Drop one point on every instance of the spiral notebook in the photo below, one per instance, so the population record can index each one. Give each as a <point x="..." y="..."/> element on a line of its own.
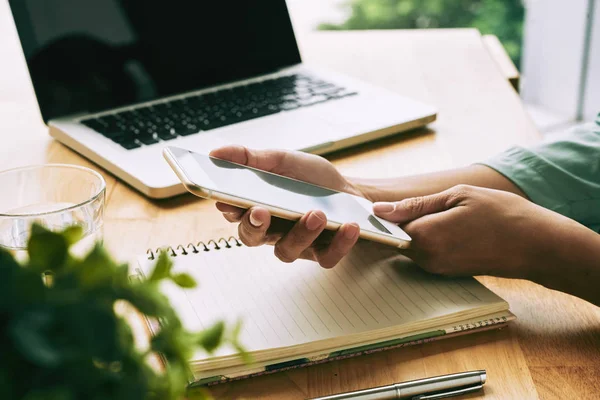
<point x="300" y="314"/>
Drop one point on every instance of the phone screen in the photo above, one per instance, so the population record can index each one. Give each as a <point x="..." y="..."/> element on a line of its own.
<point x="278" y="191"/>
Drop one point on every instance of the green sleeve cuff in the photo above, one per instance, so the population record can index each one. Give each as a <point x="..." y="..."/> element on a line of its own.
<point x="562" y="174"/>
<point x="526" y="170"/>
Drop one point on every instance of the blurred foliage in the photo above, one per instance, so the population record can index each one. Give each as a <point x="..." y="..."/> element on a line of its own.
<point x="61" y="338"/>
<point x="503" y="18"/>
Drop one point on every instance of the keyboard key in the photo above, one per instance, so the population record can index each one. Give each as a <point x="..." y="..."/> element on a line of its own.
<point x="122" y="139"/>
<point x="94" y="124"/>
<point x="109" y="120"/>
<point x="326" y="89"/>
<point x="133" y="131"/>
<point x="188" y="130"/>
<point x="343" y="93"/>
<point x="313" y="100"/>
<point x="131" y="145"/>
<point x="207" y="124"/>
<point x="127" y="142"/>
<point x="166" y="135"/>
<point x="147" y="139"/>
<point x="112" y="134"/>
<point x="289" y="106"/>
<point x="262" y="112"/>
<point x="288" y="97"/>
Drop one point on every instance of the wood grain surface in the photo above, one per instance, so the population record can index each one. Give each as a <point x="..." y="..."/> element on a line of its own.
<point x="552" y="351"/>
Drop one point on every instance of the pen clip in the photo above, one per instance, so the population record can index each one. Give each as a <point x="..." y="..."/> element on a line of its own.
<point x="452" y="393"/>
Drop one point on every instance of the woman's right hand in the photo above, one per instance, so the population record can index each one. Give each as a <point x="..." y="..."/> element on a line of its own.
<point x="292" y="240"/>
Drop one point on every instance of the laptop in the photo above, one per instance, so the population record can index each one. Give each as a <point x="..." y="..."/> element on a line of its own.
<point x="119" y="80"/>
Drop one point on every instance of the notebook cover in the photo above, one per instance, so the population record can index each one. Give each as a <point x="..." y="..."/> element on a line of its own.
<point x="458" y="330"/>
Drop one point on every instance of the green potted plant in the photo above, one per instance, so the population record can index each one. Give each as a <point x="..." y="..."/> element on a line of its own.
<point x="62" y="337"/>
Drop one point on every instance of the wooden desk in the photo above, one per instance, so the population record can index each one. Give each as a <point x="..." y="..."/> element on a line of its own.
<point x="553" y="350"/>
<point x="503" y="61"/>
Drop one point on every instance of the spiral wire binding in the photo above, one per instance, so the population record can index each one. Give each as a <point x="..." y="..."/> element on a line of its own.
<point x="192" y="248"/>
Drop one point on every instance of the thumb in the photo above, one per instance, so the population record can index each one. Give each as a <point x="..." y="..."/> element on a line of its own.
<point x="234" y="153"/>
<point x="416" y="207"/>
<point x="267" y="160"/>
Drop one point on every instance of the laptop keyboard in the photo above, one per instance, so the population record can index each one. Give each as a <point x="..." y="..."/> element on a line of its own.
<point x="190" y="115"/>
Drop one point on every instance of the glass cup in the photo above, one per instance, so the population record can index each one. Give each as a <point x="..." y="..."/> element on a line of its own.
<point x="55" y="196"/>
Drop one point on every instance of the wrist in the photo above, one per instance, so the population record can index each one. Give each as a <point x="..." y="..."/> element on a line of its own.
<point x="569" y="260"/>
<point x="545" y="252"/>
<point x="395" y="189"/>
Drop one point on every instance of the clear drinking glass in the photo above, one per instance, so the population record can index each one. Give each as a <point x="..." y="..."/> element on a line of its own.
<point x="55" y="196"/>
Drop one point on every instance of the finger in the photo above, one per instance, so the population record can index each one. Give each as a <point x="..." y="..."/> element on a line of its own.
<point x="231" y="213"/>
<point x="253" y="227"/>
<point x="228" y="208"/>
<point x="435" y="240"/>
<point x="433" y="227"/>
<point x="419" y="230"/>
<point x="340" y="246"/>
<point x="267" y="160"/>
<point x="232" y="217"/>
<point x="301" y="236"/>
<point x="417" y="207"/>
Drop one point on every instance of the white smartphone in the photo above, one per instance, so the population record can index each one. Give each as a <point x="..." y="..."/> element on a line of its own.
<point x="242" y="186"/>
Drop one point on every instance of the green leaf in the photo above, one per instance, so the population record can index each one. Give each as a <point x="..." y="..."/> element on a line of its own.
<point x="162" y="269"/>
<point x="184" y="280"/>
<point x="234" y="339"/>
<point x="48" y="250"/>
<point x="9" y="272"/>
<point x="95" y="325"/>
<point x="245" y="356"/>
<point x="26" y="287"/>
<point x="60" y="393"/>
<point x="6" y="380"/>
<point x="30" y="334"/>
<point x="237" y="329"/>
<point x="7" y="261"/>
<point x="97" y="268"/>
<point x="173" y="343"/>
<point x="73" y="234"/>
<point x="125" y="334"/>
<point x="211" y="338"/>
<point x="148" y="300"/>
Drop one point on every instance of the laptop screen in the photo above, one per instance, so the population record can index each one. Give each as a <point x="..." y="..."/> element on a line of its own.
<point x="90" y="56"/>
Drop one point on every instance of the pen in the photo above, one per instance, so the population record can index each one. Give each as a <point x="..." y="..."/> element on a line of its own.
<point x="437" y="387"/>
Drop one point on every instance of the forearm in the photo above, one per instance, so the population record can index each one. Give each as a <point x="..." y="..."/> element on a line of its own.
<point x="571" y="263"/>
<point x="395" y="189"/>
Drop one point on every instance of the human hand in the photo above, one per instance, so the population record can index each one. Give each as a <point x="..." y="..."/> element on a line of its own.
<point x="468" y="230"/>
<point x="292" y="240"/>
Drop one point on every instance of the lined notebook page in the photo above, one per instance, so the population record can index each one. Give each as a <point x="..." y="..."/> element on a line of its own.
<point x="287" y="304"/>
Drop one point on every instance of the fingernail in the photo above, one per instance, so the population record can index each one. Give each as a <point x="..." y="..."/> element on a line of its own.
<point x="384" y="208"/>
<point x="254" y="221"/>
<point x="314" y="221"/>
<point x="351" y="233"/>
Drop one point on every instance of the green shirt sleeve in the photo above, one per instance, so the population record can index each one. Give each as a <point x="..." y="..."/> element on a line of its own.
<point x="562" y="175"/>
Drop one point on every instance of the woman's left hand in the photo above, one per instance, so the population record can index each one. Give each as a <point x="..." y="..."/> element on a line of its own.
<point x="469" y="230"/>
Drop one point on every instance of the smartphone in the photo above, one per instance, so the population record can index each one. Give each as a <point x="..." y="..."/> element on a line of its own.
<point x="242" y="186"/>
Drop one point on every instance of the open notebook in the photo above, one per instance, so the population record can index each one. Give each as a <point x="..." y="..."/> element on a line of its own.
<point x="299" y="314"/>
